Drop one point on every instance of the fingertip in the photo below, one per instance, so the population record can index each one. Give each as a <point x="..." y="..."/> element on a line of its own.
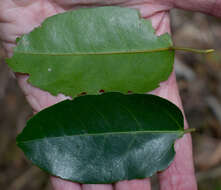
<point x="97" y="187"/>
<point x="60" y="184"/>
<point x="180" y="174"/>
<point x="143" y="184"/>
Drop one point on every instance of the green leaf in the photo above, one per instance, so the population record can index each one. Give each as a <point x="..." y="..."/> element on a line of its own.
<point x="104" y="138"/>
<point x="86" y="50"/>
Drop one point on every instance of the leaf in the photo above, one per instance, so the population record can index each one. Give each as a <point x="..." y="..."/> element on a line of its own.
<point x="104" y="138"/>
<point x="86" y="50"/>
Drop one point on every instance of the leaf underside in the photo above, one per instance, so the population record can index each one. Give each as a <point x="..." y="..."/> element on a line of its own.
<point x="104" y="138"/>
<point x="86" y="50"/>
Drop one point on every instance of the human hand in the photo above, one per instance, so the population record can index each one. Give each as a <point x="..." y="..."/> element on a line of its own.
<point x="21" y="16"/>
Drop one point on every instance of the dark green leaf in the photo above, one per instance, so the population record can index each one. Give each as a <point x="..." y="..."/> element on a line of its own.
<point x="86" y="50"/>
<point x="104" y="138"/>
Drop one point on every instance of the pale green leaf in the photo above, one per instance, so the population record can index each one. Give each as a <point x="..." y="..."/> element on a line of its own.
<point x="86" y="50"/>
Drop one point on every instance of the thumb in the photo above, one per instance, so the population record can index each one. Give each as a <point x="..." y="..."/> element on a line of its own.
<point x="212" y="7"/>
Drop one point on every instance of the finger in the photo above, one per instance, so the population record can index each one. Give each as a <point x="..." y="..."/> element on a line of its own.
<point x="97" y="187"/>
<point x="212" y="7"/>
<point x="60" y="184"/>
<point x="180" y="174"/>
<point x="17" y="19"/>
<point x="143" y="184"/>
<point x="23" y="3"/>
<point x="7" y="48"/>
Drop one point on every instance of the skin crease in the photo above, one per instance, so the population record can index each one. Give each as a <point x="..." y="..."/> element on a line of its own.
<point x="21" y="16"/>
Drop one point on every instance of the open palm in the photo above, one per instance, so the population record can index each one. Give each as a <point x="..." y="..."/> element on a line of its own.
<point x="18" y="17"/>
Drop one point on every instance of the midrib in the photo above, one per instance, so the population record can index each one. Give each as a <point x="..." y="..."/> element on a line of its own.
<point x="180" y="132"/>
<point x="97" y="53"/>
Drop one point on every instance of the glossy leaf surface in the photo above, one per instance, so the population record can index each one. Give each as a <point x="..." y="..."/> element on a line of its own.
<point x="86" y="50"/>
<point x="104" y="138"/>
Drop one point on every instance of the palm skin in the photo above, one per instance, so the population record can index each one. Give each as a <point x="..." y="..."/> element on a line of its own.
<point x="21" y="16"/>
